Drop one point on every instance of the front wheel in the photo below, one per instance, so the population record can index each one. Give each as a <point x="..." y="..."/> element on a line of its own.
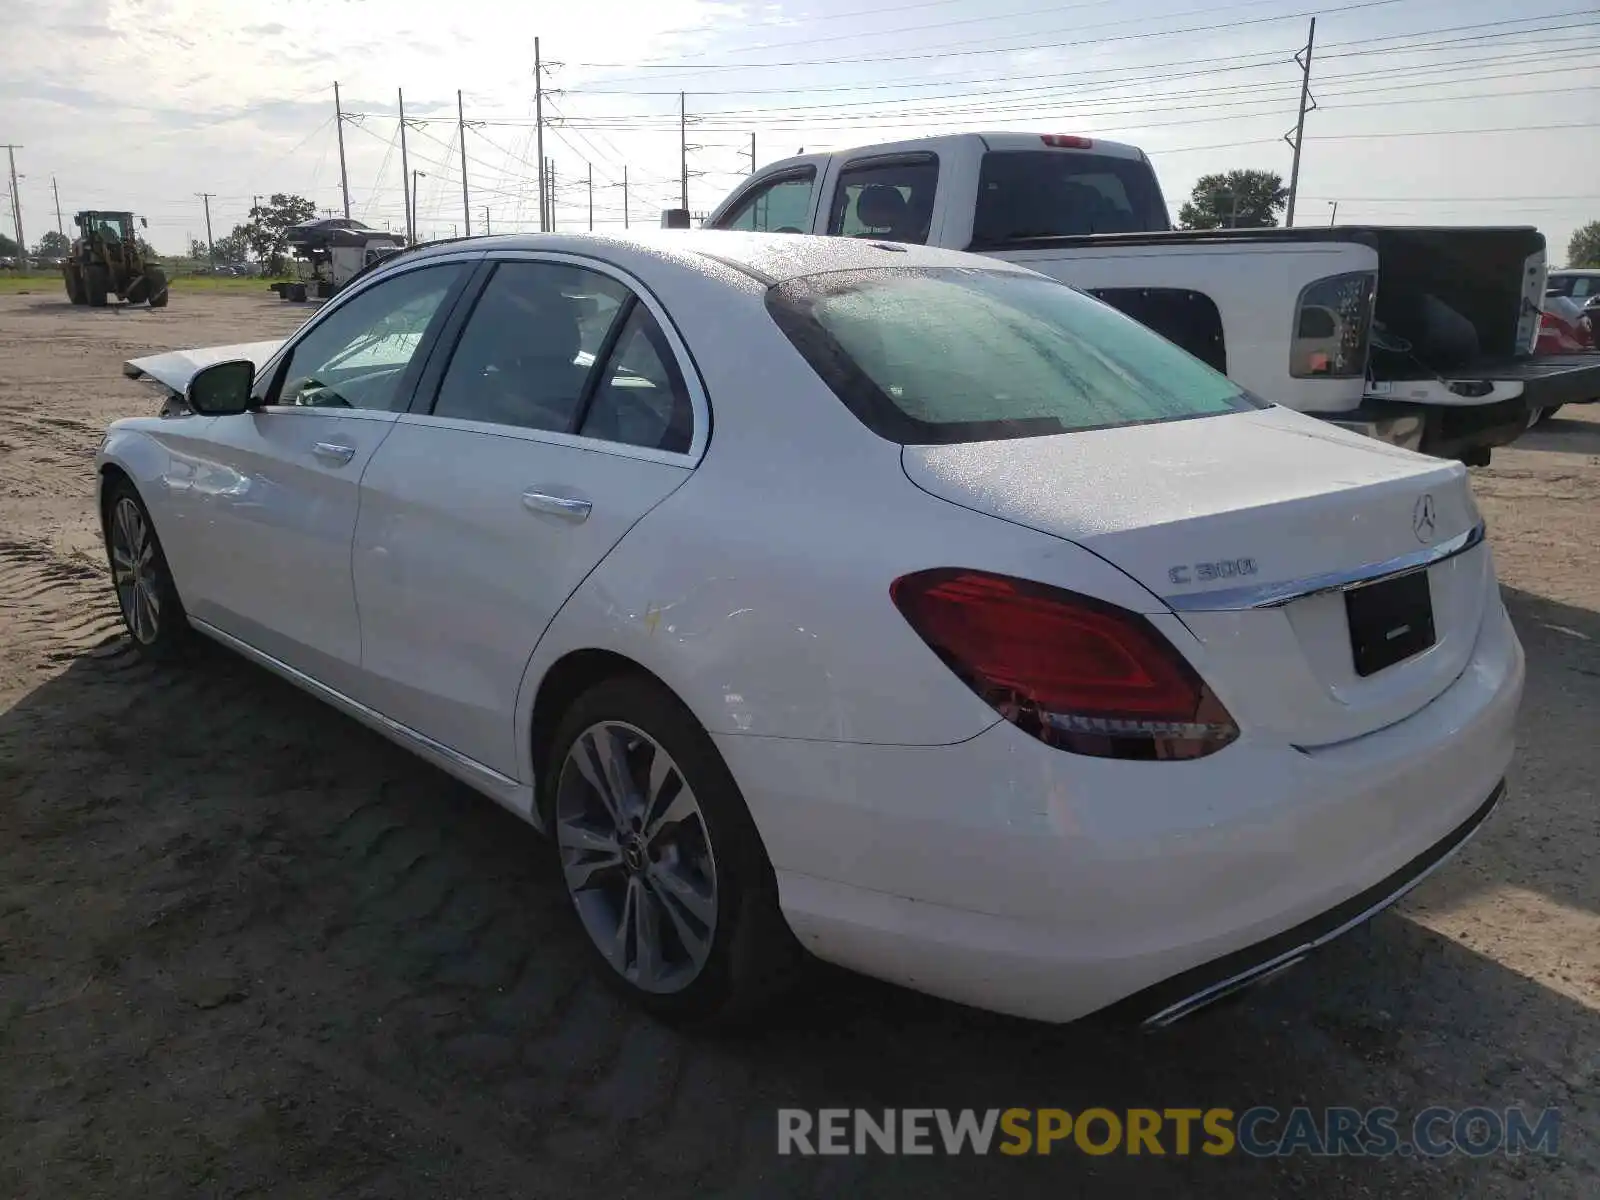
<point x="660" y="858"/>
<point x="97" y="286"/>
<point x="157" y="283"/>
<point x="148" y="598"/>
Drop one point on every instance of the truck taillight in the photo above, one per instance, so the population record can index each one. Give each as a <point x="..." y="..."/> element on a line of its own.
<point x="1066" y="141"/>
<point x="1076" y="673"/>
<point x="1333" y="326"/>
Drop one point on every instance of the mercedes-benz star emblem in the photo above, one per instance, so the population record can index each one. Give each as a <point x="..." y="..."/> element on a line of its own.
<point x="1422" y="518"/>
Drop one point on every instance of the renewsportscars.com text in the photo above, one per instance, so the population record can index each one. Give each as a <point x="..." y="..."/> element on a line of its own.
<point x="1260" y="1131"/>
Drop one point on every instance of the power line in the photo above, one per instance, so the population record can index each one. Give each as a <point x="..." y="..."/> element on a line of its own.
<point x="1074" y="33"/>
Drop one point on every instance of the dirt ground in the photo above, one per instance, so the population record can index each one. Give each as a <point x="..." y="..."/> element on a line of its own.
<point x="248" y="948"/>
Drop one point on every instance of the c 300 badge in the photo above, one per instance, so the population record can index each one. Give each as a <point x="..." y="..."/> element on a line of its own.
<point x="1210" y="572"/>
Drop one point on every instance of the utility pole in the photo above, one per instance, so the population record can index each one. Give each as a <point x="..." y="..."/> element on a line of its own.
<point x="624" y="195"/>
<point x="750" y="153"/>
<point x="211" y="246"/>
<point x="16" y="201"/>
<point x="486" y="218"/>
<point x="1307" y="104"/>
<point x="405" y="170"/>
<point x="57" y="192"/>
<point x="552" y="195"/>
<point x="538" y="134"/>
<point x="1333" y="217"/>
<point x="338" y="124"/>
<point x="415" y="201"/>
<point x="591" y="196"/>
<point x="461" y="133"/>
<point x="683" y="153"/>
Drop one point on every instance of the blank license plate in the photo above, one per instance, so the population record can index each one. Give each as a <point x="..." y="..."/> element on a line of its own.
<point x="1389" y="621"/>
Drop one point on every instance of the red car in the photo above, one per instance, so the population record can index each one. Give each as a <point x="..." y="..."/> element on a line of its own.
<point x="1565" y="327"/>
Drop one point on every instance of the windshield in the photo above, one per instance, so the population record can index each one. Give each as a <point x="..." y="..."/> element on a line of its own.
<point x="1050" y="193"/>
<point x="929" y="355"/>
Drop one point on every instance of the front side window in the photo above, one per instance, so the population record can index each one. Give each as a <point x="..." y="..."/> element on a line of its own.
<point x="357" y="357"/>
<point x="891" y="200"/>
<point x="780" y="206"/>
<point x="935" y="355"/>
<point x="1054" y="193"/>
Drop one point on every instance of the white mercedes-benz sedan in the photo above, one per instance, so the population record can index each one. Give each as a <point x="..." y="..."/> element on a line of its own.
<point x="899" y="606"/>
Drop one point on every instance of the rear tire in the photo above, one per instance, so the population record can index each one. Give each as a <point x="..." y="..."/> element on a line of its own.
<point x="97" y="286"/>
<point x="75" y="290"/>
<point x="158" y="287"/>
<point x="152" y="613"/>
<point x="675" y="842"/>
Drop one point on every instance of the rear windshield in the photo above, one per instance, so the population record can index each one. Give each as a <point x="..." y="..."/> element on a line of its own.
<point x="1053" y="193"/>
<point x="930" y="355"/>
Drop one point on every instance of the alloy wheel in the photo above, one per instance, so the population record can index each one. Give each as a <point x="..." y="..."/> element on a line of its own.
<point x="636" y="856"/>
<point x="134" y="569"/>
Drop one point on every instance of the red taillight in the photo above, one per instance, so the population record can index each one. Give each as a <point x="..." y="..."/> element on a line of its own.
<point x="1075" y="672"/>
<point x="1066" y="141"/>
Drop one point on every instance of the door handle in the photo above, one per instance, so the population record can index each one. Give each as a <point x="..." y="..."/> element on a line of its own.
<point x="570" y="507"/>
<point x="335" y="452"/>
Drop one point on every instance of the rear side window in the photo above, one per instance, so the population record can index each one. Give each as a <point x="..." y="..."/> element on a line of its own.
<point x="1059" y="193"/>
<point x="889" y="199"/>
<point x="932" y="355"/>
<point x="779" y="206"/>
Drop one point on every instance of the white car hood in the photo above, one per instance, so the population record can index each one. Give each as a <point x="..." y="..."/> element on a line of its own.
<point x="175" y="368"/>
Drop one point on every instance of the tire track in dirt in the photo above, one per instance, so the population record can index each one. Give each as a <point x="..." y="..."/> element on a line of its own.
<point x="42" y="454"/>
<point x="55" y="609"/>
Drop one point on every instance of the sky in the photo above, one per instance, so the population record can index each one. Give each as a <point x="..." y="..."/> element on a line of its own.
<point x="1427" y="111"/>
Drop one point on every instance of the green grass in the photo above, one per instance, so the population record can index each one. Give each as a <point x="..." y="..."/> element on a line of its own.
<point x="12" y="283"/>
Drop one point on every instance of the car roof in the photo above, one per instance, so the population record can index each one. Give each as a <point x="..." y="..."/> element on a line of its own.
<point x="764" y="257"/>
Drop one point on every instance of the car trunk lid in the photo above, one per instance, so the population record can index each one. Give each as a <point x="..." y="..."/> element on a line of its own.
<point x="1250" y="527"/>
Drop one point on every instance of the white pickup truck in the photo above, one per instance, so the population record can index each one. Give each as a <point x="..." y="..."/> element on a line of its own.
<point x="1422" y="337"/>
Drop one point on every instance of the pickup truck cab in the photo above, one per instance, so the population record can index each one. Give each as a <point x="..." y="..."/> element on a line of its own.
<point x="1422" y="337"/>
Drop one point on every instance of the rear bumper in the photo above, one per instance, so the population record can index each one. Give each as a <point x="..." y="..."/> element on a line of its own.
<point x="1002" y="873"/>
<point x="1175" y="998"/>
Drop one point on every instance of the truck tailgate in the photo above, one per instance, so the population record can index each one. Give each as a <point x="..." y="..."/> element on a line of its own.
<point x="1540" y="381"/>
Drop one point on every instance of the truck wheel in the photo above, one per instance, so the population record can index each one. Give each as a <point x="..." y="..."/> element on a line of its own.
<point x="297" y="293"/>
<point x="75" y="292"/>
<point x="158" y="288"/>
<point x="97" y="285"/>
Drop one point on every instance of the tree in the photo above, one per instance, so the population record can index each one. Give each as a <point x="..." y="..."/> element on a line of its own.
<point x="1243" y="199"/>
<point x="53" y="245"/>
<point x="1584" y="248"/>
<point x="198" y="250"/>
<point x="235" y="247"/>
<point x="8" y="248"/>
<point x="269" y="225"/>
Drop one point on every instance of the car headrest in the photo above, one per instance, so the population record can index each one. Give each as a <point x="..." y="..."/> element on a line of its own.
<point x="542" y="325"/>
<point x="881" y="206"/>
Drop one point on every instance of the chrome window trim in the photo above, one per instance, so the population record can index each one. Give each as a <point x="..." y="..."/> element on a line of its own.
<point x="1274" y="595"/>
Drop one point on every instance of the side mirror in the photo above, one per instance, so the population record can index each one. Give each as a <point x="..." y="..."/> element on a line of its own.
<point x="222" y="389"/>
<point x="145" y="222"/>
